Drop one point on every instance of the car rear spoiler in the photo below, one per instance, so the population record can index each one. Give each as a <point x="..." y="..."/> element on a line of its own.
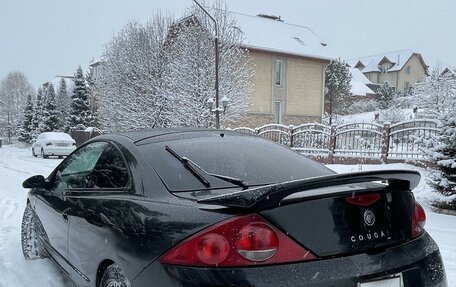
<point x="269" y="196"/>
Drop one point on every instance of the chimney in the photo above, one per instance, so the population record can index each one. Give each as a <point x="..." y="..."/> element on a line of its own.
<point x="270" y="17"/>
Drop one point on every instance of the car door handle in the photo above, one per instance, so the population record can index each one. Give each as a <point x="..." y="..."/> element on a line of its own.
<point x="65" y="216"/>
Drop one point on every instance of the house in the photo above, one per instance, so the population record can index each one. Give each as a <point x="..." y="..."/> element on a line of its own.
<point x="361" y="86"/>
<point x="400" y="69"/>
<point x="289" y="62"/>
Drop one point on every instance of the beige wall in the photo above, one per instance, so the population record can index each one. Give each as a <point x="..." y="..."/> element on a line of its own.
<point x="261" y="98"/>
<point x="417" y="72"/>
<point x="390" y="77"/>
<point x="303" y="99"/>
<point x="305" y="87"/>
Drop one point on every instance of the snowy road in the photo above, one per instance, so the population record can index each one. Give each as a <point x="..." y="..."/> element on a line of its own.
<point x="16" y="165"/>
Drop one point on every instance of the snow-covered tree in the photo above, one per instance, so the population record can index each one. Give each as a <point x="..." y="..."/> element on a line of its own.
<point x="193" y="67"/>
<point x="131" y="83"/>
<point x="444" y="153"/>
<point x="386" y="94"/>
<point x="91" y="88"/>
<point x="37" y="119"/>
<point x="163" y="72"/>
<point x="14" y="89"/>
<point x="50" y="113"/>
<point x="63" y="104"/>
<point x="25" y="131"/>
<point x="338" y="88"/>
<point x="435" y="95"/>
<point x="80" y="112"/>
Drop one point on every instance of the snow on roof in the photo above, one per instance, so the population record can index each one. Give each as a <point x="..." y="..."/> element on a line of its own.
<point x="371" y="63"/>
<point x="358" y="76"/>
<point x="359" y="89"/>
<point x="358" y="83"/>
<point x="280" y="37"/>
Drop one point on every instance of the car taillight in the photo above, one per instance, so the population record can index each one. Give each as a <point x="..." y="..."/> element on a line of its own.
<point x="48" y="144"/>
<point x="239" y="241"/>
<point x="418" y="220"/>
<point x="363" y="200"/>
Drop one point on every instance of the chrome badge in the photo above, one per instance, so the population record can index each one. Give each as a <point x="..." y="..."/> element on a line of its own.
<point x="369" y="218"/>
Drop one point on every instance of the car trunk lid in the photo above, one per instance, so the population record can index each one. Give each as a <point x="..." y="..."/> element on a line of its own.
<point x="336" y="214"/>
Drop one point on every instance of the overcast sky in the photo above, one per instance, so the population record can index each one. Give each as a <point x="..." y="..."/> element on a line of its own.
<point x="46" y="38"/>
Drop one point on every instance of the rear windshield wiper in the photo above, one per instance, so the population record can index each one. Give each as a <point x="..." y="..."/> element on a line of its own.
<point x="186" y="163"/>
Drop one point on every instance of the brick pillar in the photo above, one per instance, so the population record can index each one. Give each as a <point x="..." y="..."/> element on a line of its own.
<point x="332" y="143"/>
<point x="290" y="135"/>
<point x="385" y="141"/>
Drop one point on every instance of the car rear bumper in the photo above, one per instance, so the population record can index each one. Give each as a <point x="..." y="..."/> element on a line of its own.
<point x="54" y="150"/>
<point x="418" y="261"/>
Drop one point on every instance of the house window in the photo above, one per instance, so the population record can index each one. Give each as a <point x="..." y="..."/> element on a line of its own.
<point x="406" y="87"/>
<point x="407" y="70"/>
<point x="277" y="112"/>
<point x="278" y="72"/>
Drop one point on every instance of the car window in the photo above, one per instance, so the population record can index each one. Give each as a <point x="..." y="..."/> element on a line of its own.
<point x="253" y="160"/>
<point x="96" y="165"/>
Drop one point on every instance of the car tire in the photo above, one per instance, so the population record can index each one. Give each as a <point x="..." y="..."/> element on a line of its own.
<point x="43" y="155"/>
<point x="114" y="277"/>
<point x="29" y="235"/>
<point x="33" y="152"/>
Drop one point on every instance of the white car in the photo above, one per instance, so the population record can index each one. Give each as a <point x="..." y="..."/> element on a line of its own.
<point x="53" y="143"/>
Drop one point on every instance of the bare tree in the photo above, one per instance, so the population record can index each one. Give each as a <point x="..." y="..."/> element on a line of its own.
<point x="193" y="68"/>
<point x="162" y="73"/>
<point x="14" y="89"/>
<point x="436" y="95"/>
<point x="131" y="84"/>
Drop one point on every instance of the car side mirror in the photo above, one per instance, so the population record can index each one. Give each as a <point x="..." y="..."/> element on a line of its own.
<point x="35" y="181"/>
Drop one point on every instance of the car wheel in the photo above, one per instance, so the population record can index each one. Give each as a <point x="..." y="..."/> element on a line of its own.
<point x="43" y="155"/>
<point x="33" y="152"/>
<point x="29" y="237"/>
<point x="114" y="277"/>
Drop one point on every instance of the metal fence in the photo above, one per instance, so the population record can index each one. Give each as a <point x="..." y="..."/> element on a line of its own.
<point x="353" y="142"/>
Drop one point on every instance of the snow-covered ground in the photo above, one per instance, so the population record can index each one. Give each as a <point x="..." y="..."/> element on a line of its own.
<point x="16" y="165"/>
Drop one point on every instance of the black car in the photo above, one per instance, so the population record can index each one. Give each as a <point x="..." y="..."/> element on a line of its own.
<point x="181" y="207"/>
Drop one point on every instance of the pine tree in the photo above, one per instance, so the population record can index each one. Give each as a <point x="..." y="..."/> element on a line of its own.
<point x="386" y="93"/>
<point x="50" y="113"/>
<point x="337" y="83"/>
<point x="63" y="104"/>
<point x="91" y="96"/>
<point x="25" y="131"/>
<point x="444" y="154"/>
<point x="80" y="107"/>
<point x="437" y="96"/>
<point x="37" y="114"/>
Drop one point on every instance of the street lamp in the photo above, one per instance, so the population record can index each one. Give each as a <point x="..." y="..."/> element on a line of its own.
<point x="216" y="110"/>
<point x="210" y="105"/>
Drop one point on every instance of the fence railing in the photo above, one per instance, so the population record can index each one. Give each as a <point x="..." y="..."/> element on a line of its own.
<point x="354" y="142"/>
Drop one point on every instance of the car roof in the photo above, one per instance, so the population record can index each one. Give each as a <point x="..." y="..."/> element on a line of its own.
<point x="150" y="134"/>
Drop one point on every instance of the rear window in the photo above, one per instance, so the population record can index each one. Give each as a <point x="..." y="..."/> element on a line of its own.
<point x="56" y="136"/>
<point x="254" y="160"/>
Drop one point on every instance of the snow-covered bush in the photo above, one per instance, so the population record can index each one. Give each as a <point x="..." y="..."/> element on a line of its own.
<point x="358" y="107"/>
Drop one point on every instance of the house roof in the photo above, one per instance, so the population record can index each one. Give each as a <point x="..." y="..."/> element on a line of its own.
<point x="398" y="59"/>
<point x="276" y="36"/>
<point x="359" y="83"/>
